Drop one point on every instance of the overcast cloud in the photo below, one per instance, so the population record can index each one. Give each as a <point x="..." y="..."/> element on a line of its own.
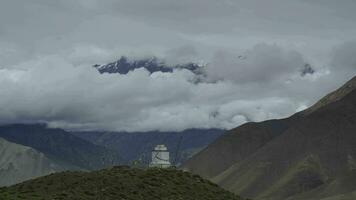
<point x="254" y="51"/>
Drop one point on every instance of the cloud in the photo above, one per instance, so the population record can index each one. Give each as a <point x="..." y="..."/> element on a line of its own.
<point x="343" y="56"/>
<point x="37" y="27"/>
<point x="255" y="51"/>
<point x="181" y="54"/>
<point x="263" y="63"/>
<point x="53" y="90"/>
<point x="50" y="89"/>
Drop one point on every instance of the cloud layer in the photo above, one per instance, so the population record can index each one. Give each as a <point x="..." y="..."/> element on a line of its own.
<point x="254" y="52"/>
<point x="263" y="85"/>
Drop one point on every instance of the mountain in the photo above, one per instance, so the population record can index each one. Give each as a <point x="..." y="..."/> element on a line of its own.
<point x="333" y="96"/>
<point x="19" y="163"/>
<point x="153" y="64"/>
<point x="60" y="146"/>
<point x="119" y="183"/>
<point x="138" y="145"/>
<point x="308" y="156"/>
<point x="234" y="146"/>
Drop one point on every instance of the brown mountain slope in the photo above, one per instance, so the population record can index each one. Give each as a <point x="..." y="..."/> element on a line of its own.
<point x="311" y="157"/>
<point x="235" y="146"/>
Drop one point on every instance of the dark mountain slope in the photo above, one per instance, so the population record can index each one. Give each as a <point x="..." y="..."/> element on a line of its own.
<point x="60" y="146"/>
<point x="138" y="145"/>
<point x="333" y="96"/>
<point x="316" y="152"/>
<point x="235" y="146"/>
<point x="310" y="157"/>
<point x="119" y="183"/>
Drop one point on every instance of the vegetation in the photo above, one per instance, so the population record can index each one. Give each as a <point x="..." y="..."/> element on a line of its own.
<point x="118" y="183"/>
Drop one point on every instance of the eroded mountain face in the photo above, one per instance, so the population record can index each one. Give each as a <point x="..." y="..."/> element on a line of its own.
<point x="61" y="146"/>
<point x="19" y="163"/>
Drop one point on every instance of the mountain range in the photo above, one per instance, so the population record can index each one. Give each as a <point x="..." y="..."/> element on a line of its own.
<point x="137" y="146"/>
<point x="32" y="150"/>
<point x="153" y="64"/>
<point x="308" y="156"/>
<point x="60" y="145"/>
<point x="43" y="150"/>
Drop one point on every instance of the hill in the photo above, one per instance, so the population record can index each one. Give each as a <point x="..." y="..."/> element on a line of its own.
<point x="60" y="146"/>
<point x="310" y="155"/>
<point x="119" y="183"/>
<point x="138" y="145"/>
<point x="19" y="163"/>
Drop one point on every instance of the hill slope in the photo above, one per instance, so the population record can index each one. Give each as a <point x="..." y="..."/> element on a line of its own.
<point x="19" y="163"/>
<point x="60" y="146"/>
<point x="234" y="146"/>
<point x="333" y="96"/>
<point x="119" y="183"/>
<point x="307" y="156"/>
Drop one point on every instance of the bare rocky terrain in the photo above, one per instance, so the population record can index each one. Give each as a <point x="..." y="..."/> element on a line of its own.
<point x="18" y="163"/>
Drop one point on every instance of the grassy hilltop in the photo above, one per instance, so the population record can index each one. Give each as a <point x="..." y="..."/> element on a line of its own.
<point x="118" y="183"/>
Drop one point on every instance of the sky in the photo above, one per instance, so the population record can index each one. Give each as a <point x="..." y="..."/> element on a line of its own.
<point x="254" y="52"/>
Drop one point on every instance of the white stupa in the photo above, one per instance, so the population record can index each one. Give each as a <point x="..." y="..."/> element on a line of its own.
<point x="160" y="157"/>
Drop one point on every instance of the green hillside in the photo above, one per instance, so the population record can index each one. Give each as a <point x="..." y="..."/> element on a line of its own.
<point x="118" y="183"/>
